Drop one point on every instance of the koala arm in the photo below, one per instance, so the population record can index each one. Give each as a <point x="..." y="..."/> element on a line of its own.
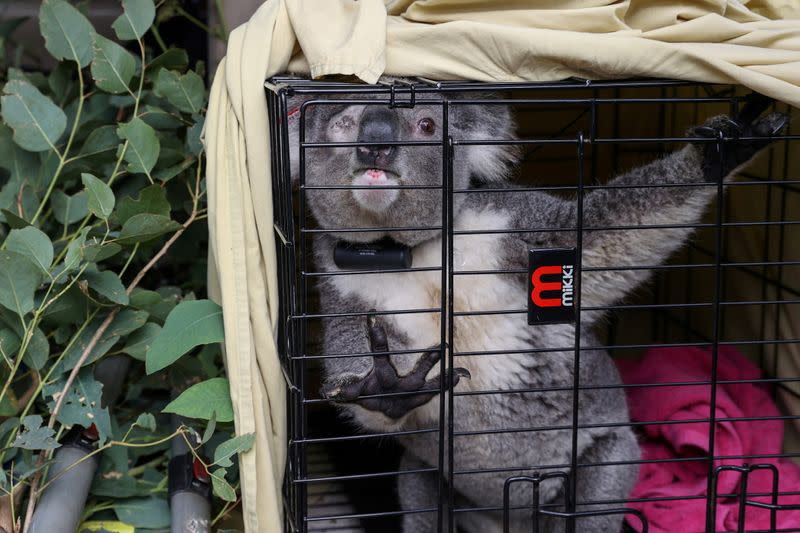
<point x="638" y="199"/>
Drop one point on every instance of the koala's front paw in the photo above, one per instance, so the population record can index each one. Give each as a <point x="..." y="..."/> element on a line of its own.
<point x="398" y="394"/>
<point x="719" y="163"/>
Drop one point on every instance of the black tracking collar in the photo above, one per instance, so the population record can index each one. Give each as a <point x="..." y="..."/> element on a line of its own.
<point x="385" y="254"/>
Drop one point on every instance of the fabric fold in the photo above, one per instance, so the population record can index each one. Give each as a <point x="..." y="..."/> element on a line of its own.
<point x="675" y="440"/>
<point x="733" y="41"/>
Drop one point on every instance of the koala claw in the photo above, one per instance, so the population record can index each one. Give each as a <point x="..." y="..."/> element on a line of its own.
<point x="397" y="395"/>
<point x="720" y="163"/>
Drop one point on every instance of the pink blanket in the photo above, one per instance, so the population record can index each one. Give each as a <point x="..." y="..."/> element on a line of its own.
<point x="687" y="480"/>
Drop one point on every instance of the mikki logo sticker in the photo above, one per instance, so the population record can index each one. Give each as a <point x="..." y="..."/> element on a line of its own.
<point x="551" y="286"/>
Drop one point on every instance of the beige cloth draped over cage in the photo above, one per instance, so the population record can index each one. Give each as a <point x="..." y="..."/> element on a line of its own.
<point x="753" y="43"/>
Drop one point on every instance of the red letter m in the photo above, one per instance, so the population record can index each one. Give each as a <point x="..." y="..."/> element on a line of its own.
<point x="540" y="286"/>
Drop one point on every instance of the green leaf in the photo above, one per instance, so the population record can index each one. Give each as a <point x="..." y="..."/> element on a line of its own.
<point x="140" y="341"/>
<point x="74" y="250"/>
<point x="9" y="343"/>
<point x="146" y="421"/>
<point x="101" y="197"/>
<point x="143" y="145"/>
<point x="221" y="487"/>
<point x="136" y="20"/>
<point x="190" y="324"/>
<point x="37" y="122"/>
<point x="82" y="404"/>
<point x="151" y="513"/>
<point x="193" y="141"/>
<point x="224" y="452"/>
<point x="113" y="66"/>
<point x="187" y="91"/>
<point x="38" y="350"/>
<point x="34" y="436"/>
<point x="204" y="400"/>
<point x="19" y="278"/>
<point x="108" y="284"/>
<point x="117" y="488"/>
<point x="160" y="119"/>
<point x="13" y="220"/>
<point x="33" y="244"/>
<point x="126" y="322"/>
<point x="209" y="432"/>
<point x="145" y="227"/>
<point x="67" y="33"/>
<point x="157" y="304"/>
<point x="96" y="252"/>
<point x="173" y="59"/>
<point x="102" y="139"/>
<point x="8" y="407"/>
<point x="152" y="199"/>
<point x="23" y="166"/>
<point x="69" y="209"/>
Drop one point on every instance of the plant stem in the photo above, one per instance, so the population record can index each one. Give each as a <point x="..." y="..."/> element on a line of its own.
<point x="63" y="157"/>
<point x="223" y="24"/>
<point x="35" y="491"/>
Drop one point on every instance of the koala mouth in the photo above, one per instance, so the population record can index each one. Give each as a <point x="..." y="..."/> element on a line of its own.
<point x="375" y="197"/>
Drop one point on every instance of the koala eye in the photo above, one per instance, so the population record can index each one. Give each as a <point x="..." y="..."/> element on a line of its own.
<point x="344" y="122"/>
<point x="426" y="126"/>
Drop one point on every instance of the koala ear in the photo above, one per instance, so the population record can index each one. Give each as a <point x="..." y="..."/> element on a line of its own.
<point x="292" y="118"/>
<point x="489" y="122"/>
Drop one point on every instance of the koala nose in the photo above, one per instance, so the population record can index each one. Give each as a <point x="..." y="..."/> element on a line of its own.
<point x="378" y="124"/>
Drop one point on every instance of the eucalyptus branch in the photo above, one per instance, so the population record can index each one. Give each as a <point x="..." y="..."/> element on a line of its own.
<point x="63" y="156"/>
<point x="35" y="491"/>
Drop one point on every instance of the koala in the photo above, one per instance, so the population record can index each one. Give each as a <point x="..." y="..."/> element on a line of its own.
<point x="383" y="369"/>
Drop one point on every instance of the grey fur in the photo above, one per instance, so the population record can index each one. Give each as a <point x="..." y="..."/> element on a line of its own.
<point x="544" y="450"/>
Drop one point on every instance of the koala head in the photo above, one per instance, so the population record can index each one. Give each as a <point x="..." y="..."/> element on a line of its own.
<point x="375" y="168"/>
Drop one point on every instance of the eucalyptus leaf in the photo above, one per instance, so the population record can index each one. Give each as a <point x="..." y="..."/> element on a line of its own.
<point x="229" y="448"/>
<point x="67" y="33"/>
<point x="193" y="141"/>
<point x="34" y="244"/>
<point x="210" y="427"/>
<point x="125" y="323"/>
<point x="9" y="343"/>
<point x="108" y="284"/>
<point x="190" y="324"/>
<point x="100" y="196"/>
<point x="95" y="252"/>
<point x="184" y="91"/>
<point x="82" y="404"/>
<point x="146" y="421"/>
<point x="19" y="278"/>
<point x="135" y="20"/>
<point x="143" y="146"/>
<point x="152" y="199"/>
<point x="145" y="227"/>
<point x="151" y="513"/>
<point x="13" y="220"/>
<point x="113" y="66"/>
<point x="204" y="400"/>
<point x="173" y="59"/>
<point x="221" y="487"/>
<point x="34" y="436"/>
<point x="22" y="165"/>
<point x="69" y="209"/>
<point x="37" y="122"/>
<point x="140" y="341"/>
<point x="38" y="350"/>
<point x="100" y="140"/>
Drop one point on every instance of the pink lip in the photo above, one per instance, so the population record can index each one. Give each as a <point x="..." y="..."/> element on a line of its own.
<point x="376" y="174"/>
<point x="375" y="199"/>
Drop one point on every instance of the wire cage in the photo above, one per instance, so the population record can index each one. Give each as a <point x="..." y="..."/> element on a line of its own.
<point x="728" y="297"/>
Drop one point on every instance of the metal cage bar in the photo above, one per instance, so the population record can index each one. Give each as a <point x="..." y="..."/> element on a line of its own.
<point x="338" y="479"/>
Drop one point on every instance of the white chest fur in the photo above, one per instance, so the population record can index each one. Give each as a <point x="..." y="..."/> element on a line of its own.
<point x="478" y="293"/>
